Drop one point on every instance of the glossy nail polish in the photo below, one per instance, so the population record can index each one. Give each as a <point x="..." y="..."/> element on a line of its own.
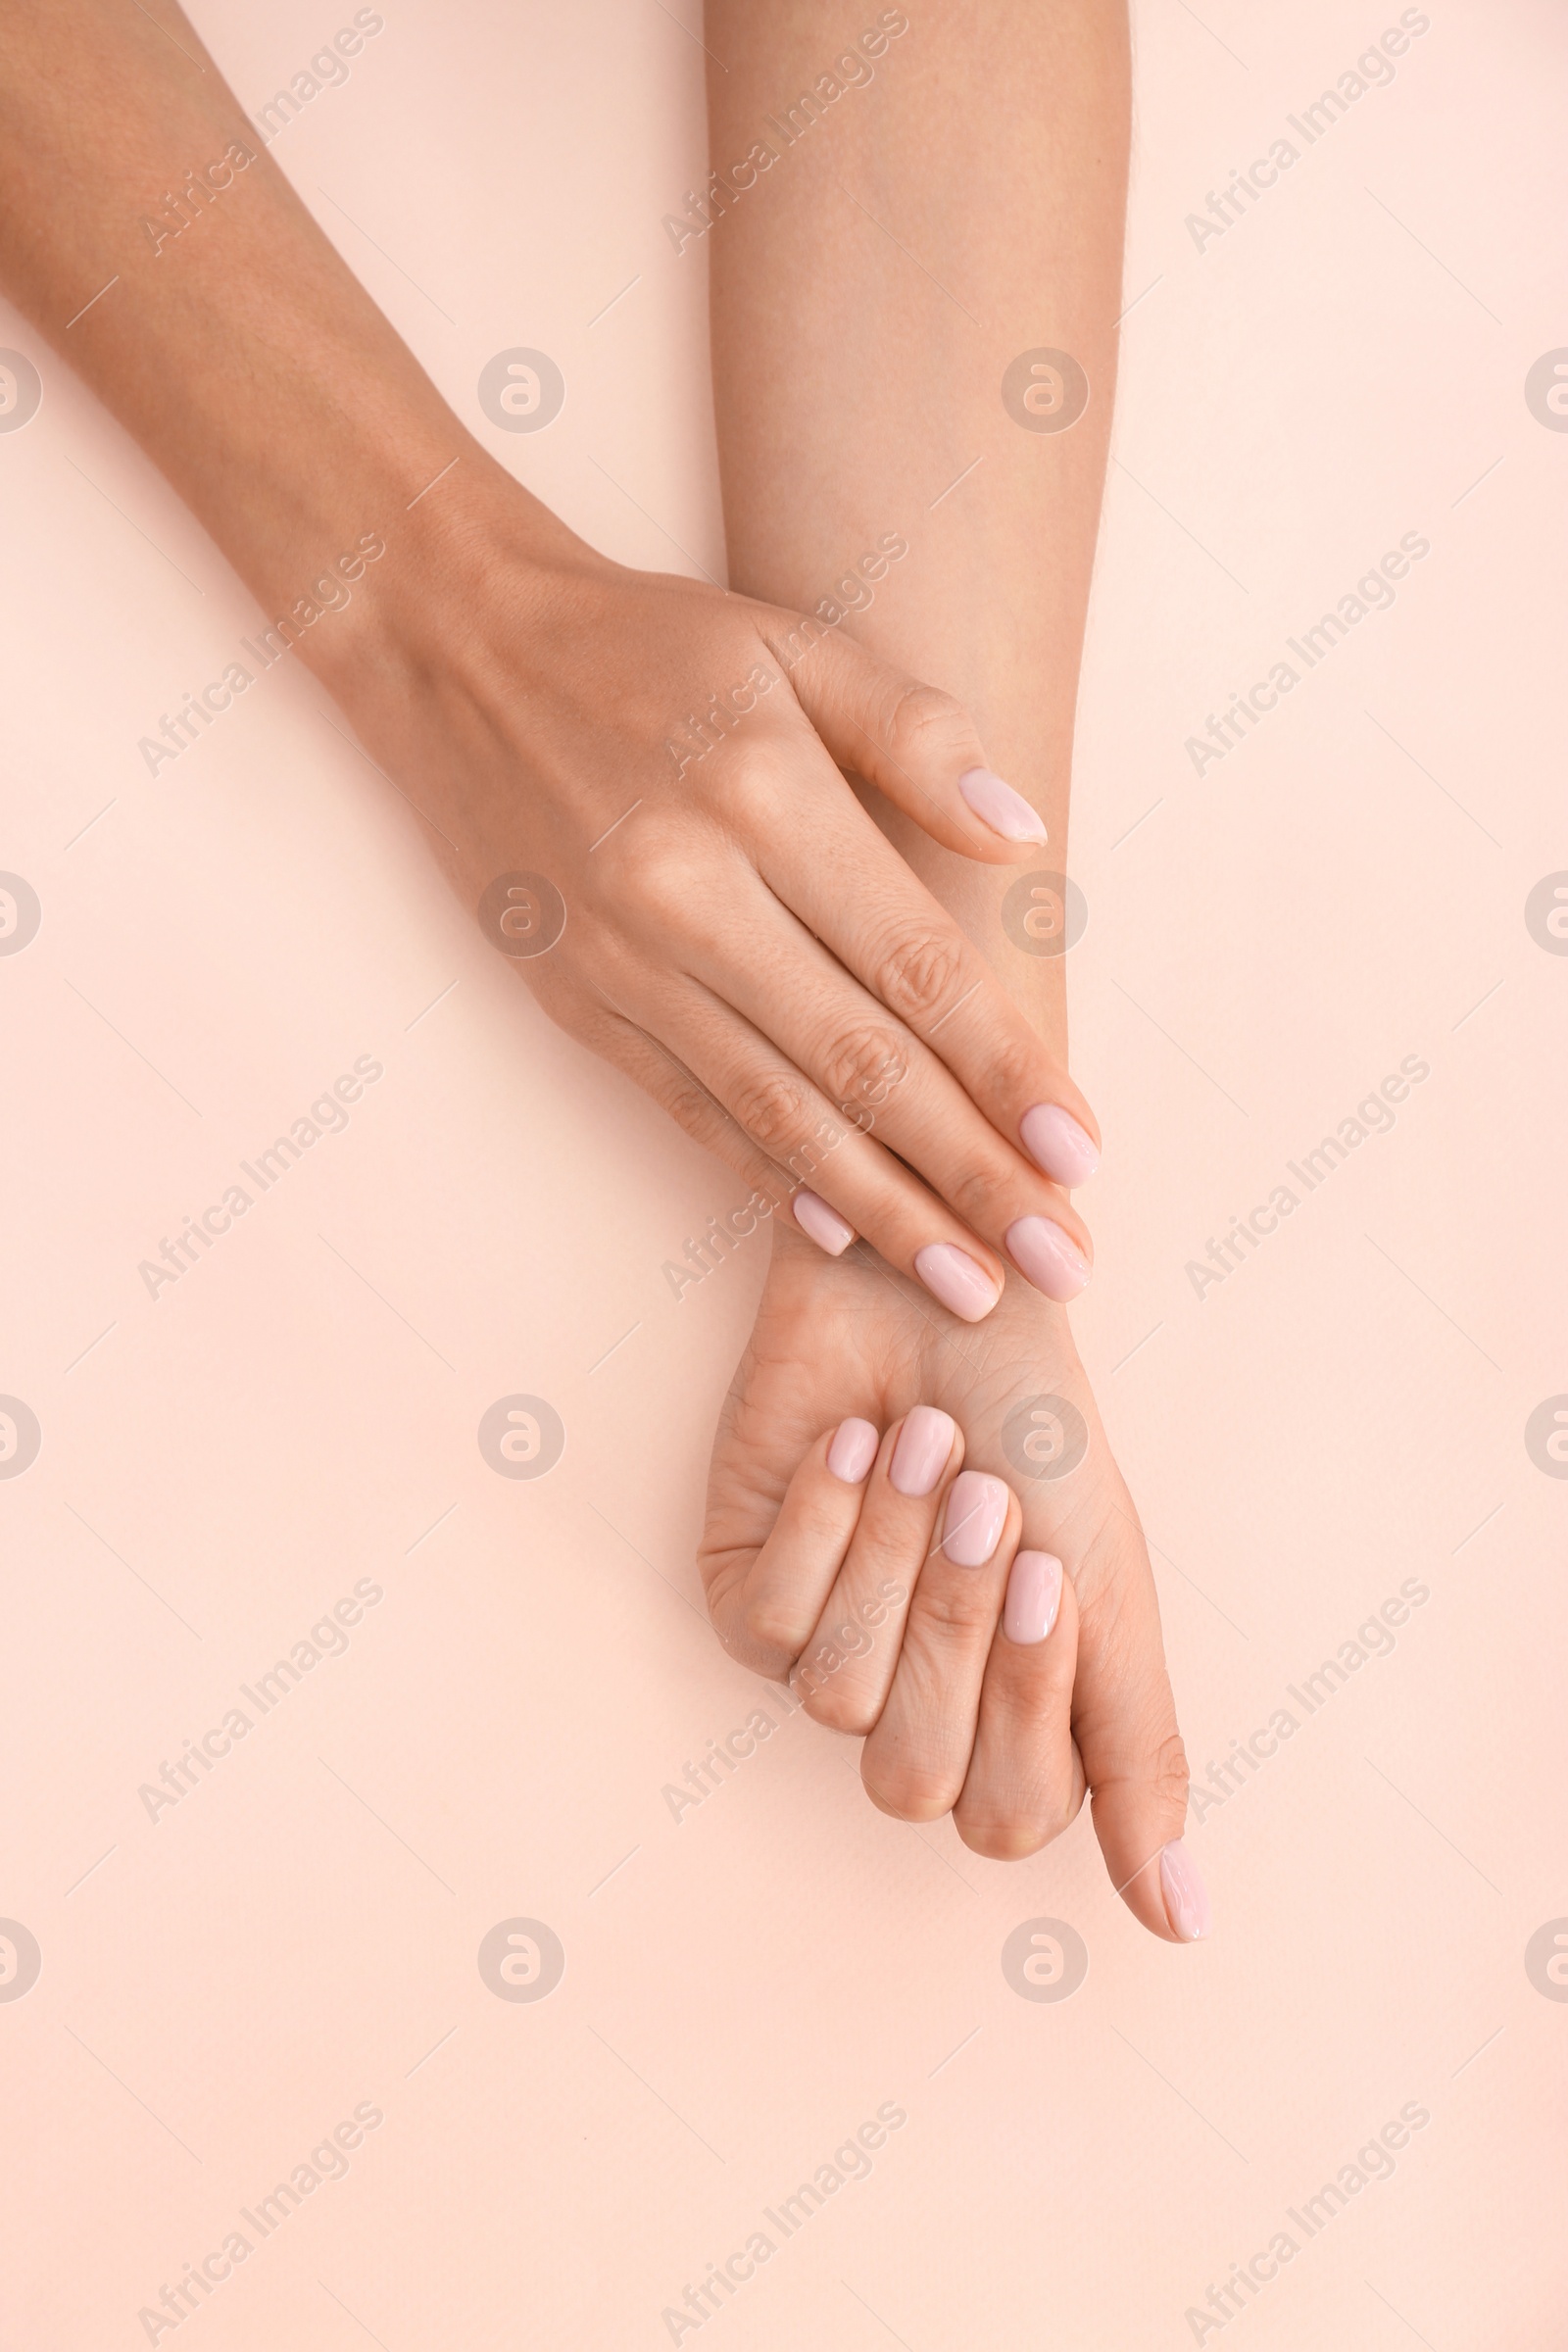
<point x="921" y="1454"/>
<point x="1185" y="1896"/>
<point x="999" y="807"/>
<point x="972" y="1524"/>
<point x="1034" y="1595"/>
<point x="826" y="1228"/>
<point x="1053" y="1262"/>
<point x="949" y="1274"/>
<point x="853" y="1450"/>
<point x="1056" y="1143"/>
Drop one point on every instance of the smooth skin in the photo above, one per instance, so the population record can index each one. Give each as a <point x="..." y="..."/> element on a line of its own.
<point x="1012" y="1751"/>
<point x="961" y="208"/>
<point x="739" y="936"/>
<point x="847" y="1029"/>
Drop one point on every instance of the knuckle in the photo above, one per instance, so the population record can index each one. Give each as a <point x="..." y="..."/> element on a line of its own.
<point x="978" y="1196"/>
<point x="750" y="789"/>
<point x="1006" y="1835"/>
<point x="835" y="1681"/>
<point x="694" y="1110"/>
<point x="918" y="974"/>
<point x="691" y="1107"/>
<point x="953" y="1612"/>
<point x="1168" y="1771"/>
<point x="750" y="1624"/>
<point x="658" y="877"/>
<point x="926" y="724"/>
<point x="862" y="1064"/>
<point x="909" y="1793"/>
<point x="771" y="1104"/>
<point x="850" y="1709"/>
<point x="763" y="1637"/>
<point x="998" y="1840"/>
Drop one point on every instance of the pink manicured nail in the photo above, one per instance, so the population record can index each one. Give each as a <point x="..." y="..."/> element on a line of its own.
<point x="975" y="1516"/>
<point x="998" y="806"/>
<point x="921" y="1454"/>
<point x="1034" y="1595"/>
<point x="1055" y="1142"/>
<point x="853" y="1450"/>
<point x="1185" y="1896"/>
<point x="825" y="1226"/>
<point x="1043" y="1251"/>
<point x="952" y="1275"/>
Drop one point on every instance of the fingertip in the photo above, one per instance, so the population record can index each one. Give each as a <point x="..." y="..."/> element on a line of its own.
<point x="1059" y="1145"/>
<point x="1034" y="1597"/>
<point x="1186" y="1897"/>
<point x="853" y="1450"/>
<point x="976" y="1517"/>
<point x="954" y="1279"/>
<point x="1165" y="1890"/>
<point x="1002" y="811"/>
<point x="818" y="1220"/>
<point x="1046" y="1255"/>
<point x="922" y="1450"/>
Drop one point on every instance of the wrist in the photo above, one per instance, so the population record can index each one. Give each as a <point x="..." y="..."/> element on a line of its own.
<point x="461" y="547"/>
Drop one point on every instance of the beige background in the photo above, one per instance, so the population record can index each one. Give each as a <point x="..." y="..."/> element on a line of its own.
<point x="743" y="1989"/>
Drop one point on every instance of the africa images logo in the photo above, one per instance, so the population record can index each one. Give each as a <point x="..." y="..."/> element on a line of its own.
<point x="20" y="391"/>
<point x="19" y="1437"/>
<point x="522" y="1960"/>
<point x="522" y="1436"/>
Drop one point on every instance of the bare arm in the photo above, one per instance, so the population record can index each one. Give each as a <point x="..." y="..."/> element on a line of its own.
<point x="911" y="299"/>
<point x="959" y="208"/>
<point x="703" y="902"/>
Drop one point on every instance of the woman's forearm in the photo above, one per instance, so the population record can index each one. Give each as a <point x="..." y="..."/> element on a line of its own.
<point x="145" y="230"/>
<point x="956" y="206"/>
<point x="697" y="895"/>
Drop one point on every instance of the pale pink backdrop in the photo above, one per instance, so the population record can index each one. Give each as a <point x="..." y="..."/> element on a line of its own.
<point x="1342" y="1418"/>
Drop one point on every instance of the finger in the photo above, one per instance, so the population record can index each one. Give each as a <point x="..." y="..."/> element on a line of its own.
<point x="846" y="1668"/>
<point x="803" y="833"/>
<point x="806" y="1012"/>
<point x="915" y="962"/>
<point x="916" y="1760"/>
<point x="792" y="1132"/>
<point x="678" y="1091"/>
<point x="798" y="1129"/>
<point x="618" y="1040"/>
<point x="1025" y="1783"/>
<point x="765" y="1603"/>
<point x="914" y="742"/>
<point x="1124" y="1720"/>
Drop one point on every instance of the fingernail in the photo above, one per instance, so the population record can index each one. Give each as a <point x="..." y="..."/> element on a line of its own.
<point x="825" y="1226"/>
<point x="952" y="1275"/>
<point x="1056" y="1143"/>
<point x="921" y="1454"/>
<point x="998" y="806"/>
<point x="1034" y="1595"/>
<point x="1185" y="1896"/>
<point x="1043" y="1251"/>
<point x="975" y="1516"/>
<point x="853" y="1450"/>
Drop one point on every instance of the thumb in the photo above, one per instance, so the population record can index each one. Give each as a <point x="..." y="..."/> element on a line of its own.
<point x="1124" y="1721"/>
<point x="914" y="742"/>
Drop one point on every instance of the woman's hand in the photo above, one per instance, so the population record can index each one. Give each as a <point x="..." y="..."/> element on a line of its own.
<point x="637" y="781"/>
<point x="890" y="1529"/>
